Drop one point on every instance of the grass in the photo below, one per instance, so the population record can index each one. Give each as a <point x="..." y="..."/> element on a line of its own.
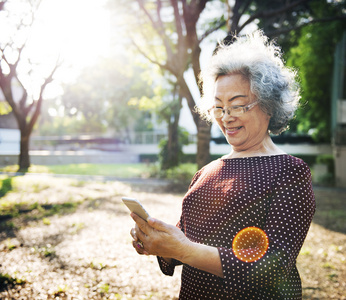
<point x="139" y="170"/>
<point x="116" y="170"/>
<point x="21" y="196"/>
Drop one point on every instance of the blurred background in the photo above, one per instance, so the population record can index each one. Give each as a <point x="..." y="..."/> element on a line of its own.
<point x="97" y="101"/>
<point x="116" y="82"/>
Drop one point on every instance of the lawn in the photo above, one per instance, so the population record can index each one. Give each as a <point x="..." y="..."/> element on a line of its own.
<point x="137" y="170"/>
<point x="116" y="170"/>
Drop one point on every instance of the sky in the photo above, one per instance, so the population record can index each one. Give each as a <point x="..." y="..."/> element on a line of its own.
<point x="78" y="29"/>
<point x="74" y="31"/>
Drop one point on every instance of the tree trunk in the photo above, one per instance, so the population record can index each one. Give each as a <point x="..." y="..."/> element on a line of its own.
<point x="203" y="128"/>
<point x="203" y="144"/>
<point x="24" y="158"/>
<point x="173" y="148"/>
<point x="172" y="158"/>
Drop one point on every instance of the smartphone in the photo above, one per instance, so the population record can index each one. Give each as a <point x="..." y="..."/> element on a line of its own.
<point x="135" y="206"/>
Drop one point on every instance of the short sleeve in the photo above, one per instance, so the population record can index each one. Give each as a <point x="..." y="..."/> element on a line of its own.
<point x="166" y="268"/>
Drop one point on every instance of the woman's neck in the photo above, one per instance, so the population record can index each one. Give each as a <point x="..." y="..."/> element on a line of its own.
<point x="265" y="148"/>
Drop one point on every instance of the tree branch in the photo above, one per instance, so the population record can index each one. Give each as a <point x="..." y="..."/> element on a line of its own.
<point x="236" y="17"/>
<point x="246" y="6"/>
<point x="322" y="20"/>
<point x="37" y="111"/>
<point x="177" y="19"/>
<point x="158" y="26"/>
<point x="2" y="4"/>
<point x="211" y="30"/>
<point x="164" y="67"/>
<point x="271" y="13"/>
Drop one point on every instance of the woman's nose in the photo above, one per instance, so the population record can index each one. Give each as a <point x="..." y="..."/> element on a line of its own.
<point x="227" y="116"/>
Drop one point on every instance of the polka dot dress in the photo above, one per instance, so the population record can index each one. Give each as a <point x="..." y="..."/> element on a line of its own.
<point x="273" y="193"/>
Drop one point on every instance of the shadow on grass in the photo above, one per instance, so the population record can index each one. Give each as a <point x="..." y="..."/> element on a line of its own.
<point x="331" y="209"/>
<point x="45" y="246"/>
<point x="6" y="186"/>
<point x="7" y="281"/>
<point x="18" y="215"/>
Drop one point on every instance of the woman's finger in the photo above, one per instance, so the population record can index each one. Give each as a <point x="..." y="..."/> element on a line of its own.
<point x="133" y="234"/>
<point x="141" y="236"/>
<point x="141" y="224"/>
<point x="159" y="225"/>
<point x="139" y="247"/>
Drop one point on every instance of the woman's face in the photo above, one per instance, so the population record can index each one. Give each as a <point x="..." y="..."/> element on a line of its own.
<point x="245" y="132"/>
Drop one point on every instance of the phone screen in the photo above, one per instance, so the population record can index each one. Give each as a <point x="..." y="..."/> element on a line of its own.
<point x="135" y="206"/>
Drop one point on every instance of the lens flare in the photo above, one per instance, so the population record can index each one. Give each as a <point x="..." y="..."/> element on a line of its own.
<point x="250" y="244"/>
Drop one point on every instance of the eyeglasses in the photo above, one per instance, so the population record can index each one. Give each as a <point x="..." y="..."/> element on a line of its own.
<point x="233" y="111"/>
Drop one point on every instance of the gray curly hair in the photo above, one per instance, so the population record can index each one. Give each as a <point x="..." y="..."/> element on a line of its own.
<point x="260" y="62"/>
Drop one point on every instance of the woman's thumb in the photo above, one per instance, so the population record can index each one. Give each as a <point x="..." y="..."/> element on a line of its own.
<point x="157" y="224"/>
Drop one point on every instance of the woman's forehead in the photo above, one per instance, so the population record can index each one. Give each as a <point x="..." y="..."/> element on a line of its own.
<point x="231" y="87"/>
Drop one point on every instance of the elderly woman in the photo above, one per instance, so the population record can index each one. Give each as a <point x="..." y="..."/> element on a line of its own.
<point x="249" y="93"/>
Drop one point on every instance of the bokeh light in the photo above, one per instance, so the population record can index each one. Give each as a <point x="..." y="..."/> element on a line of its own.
<point x="250" y="244"/>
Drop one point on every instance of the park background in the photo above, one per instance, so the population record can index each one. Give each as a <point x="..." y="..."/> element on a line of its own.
<point x="97" y="101"/>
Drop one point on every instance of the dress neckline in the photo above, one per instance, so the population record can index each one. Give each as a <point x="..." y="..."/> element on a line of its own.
<point x="250" y="157"/>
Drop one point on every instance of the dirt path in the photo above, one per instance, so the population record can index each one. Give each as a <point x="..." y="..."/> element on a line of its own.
<point x="87" y="254"/>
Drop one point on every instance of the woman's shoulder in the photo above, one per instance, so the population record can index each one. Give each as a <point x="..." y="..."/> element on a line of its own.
<point x="294" y="161"/>
<point x="208" y="168"/>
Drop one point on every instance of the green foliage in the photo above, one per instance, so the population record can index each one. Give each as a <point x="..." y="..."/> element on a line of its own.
<point x="98" y="100"/>
<point x="314" y="57"/>
<point x="181" y="173"/>
<point x="327" y="160"/>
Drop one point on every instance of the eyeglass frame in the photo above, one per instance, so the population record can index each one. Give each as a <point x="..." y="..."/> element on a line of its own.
<point x="229" y="109"/>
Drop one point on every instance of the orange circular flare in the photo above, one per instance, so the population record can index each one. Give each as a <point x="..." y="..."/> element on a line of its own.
<point x="250" y="244"/>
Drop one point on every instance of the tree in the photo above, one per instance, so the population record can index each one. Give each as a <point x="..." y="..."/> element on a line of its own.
<point x="313" y="54"/>
<point x="175" y="24"/>
<point x="169" y="34"/>
<point x="171" y="147"/>
<point x="104" y="96"/>
<point x="14" y="64"/>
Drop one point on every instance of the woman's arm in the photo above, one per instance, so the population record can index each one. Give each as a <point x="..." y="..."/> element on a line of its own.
<point x="169" y="242"/>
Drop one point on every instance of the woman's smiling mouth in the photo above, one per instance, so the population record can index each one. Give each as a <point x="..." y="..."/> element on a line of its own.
<point x="233" y="130"/>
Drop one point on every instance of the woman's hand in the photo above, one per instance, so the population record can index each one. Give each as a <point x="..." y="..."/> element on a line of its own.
<point x="158" y="238"/>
